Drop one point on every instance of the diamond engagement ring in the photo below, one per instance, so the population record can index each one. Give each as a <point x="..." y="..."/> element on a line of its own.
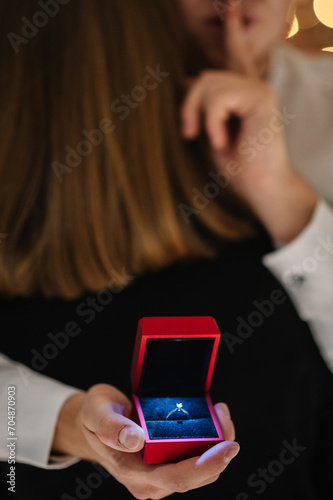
<point x="179" y="409"/>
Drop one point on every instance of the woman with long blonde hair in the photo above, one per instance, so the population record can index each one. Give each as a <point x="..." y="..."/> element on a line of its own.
<point x="109" y="216"/>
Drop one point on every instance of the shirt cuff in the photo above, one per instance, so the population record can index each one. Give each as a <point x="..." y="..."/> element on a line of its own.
<point x="305" y="266"/>
<point x="39" y="400"/>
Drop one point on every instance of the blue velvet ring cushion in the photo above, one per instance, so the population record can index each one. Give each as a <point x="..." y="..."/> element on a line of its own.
<point x="196" y="423"/>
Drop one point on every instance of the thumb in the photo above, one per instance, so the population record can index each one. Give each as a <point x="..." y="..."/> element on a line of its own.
<point x="119" y="432"/>
<point x="104" y="415"/>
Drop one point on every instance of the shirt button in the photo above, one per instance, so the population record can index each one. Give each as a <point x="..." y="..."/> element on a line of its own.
<point x="296" y="280"/>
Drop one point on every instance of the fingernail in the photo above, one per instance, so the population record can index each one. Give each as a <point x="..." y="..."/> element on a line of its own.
<point x="225" y="410"/>
<point x="231" y="453"/>
<point x="184" y="128"/>
<point x="131" y="437"/>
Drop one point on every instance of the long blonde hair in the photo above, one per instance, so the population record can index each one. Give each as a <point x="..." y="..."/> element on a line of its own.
<point x="92" y="165"/>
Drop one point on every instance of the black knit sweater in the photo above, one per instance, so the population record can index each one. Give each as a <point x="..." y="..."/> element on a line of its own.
<point x="268" y="370"/>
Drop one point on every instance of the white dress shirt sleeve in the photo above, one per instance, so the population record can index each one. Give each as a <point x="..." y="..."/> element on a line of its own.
<point x="38" y="400"/>
<point x="305" y="268"/>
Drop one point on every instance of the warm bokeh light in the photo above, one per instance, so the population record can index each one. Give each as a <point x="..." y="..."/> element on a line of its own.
<point x="315" y="25"/>
<point x="324" y="11"/>
<point x="294" y="28"/>
<point x="306" y="16"/>
<point x="328" y="49"/>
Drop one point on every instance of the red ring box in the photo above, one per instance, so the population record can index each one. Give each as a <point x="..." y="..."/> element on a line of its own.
<point x="172" y="368"/>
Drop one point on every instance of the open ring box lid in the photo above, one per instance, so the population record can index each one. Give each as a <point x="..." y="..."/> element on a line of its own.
<point x="172" y="369"/>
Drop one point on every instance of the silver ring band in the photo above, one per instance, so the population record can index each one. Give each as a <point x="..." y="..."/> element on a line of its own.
<point x="179" y="409"/>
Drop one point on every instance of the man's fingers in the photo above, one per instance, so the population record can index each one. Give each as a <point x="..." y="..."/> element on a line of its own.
<point x="238" y="53"/>
<point x="130" y="470"/>
<point x="194" y="104"/>
<point x="209" y="481"/>
<point x="215" y="125"/>
<point x="190" y="113"/>
<point x="227" y="426"/>
<point x="190" y="474"/>
<point x="104" y="417"/>
<point x="148" y="492"/>
<point x="117" y="431"/>
<point x="217" y="458"/>
<point x="159" y="481"/>
<point x="216" y="112"/>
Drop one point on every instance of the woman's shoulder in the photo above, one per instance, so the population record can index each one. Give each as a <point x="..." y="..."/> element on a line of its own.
<point x="293" y="66"/>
